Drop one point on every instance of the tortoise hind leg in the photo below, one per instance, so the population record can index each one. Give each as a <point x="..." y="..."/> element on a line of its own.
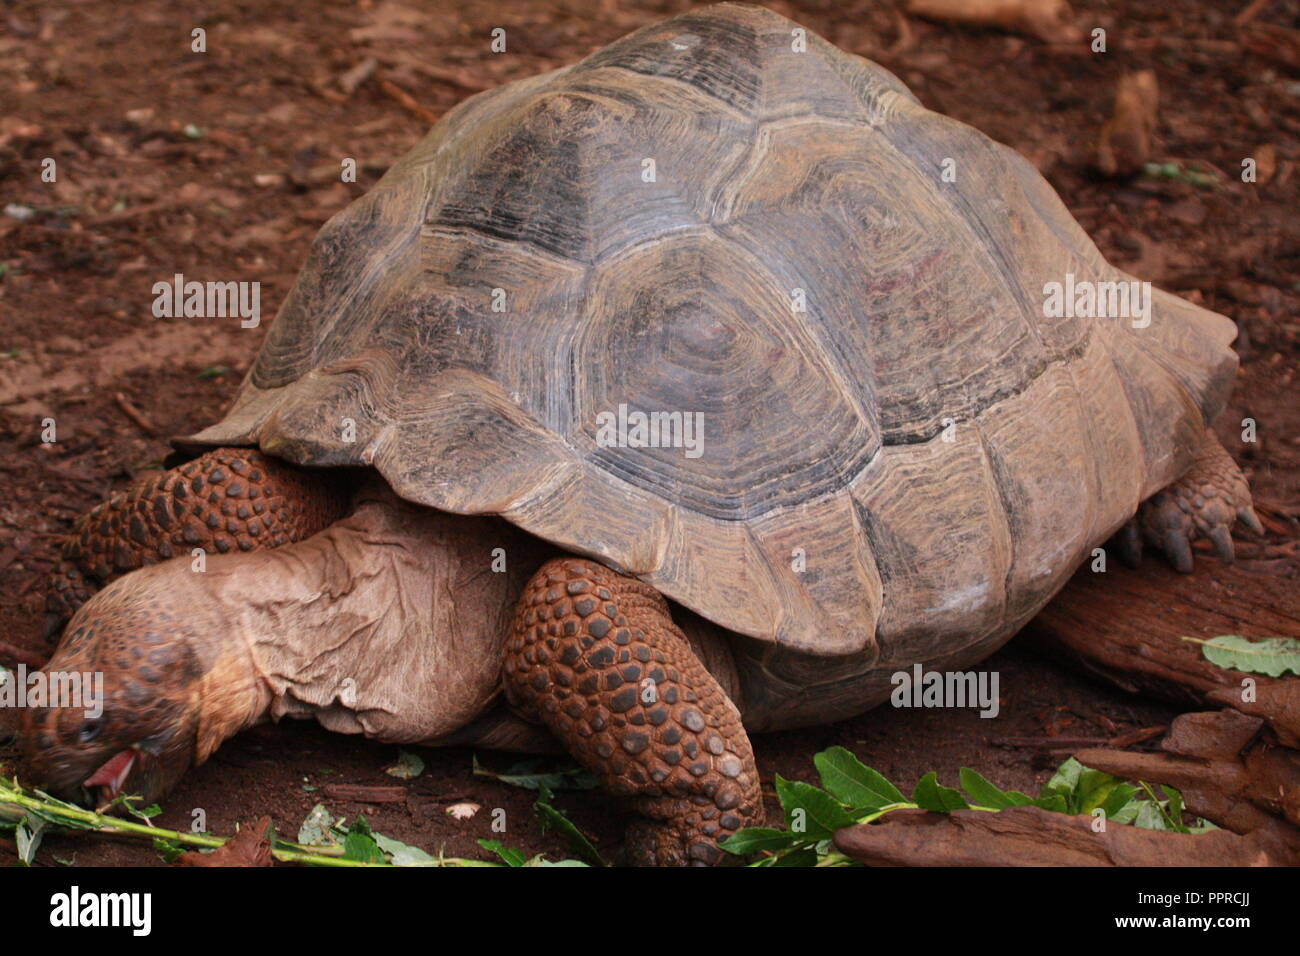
<point x="1204" y="502"/>
<point x="229" y="499"/>
<point x="595" y="656"/>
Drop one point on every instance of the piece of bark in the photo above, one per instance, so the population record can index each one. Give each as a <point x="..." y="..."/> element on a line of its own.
<point x="1126" y="139"/>
<point x="1031" y="836"/>
<point x="251" y="846"/>
<point x="1229" y="768"/>
<point x="1048" y="20"/>
<point x="365" y="793"/>
<point x="1127" y="625"/>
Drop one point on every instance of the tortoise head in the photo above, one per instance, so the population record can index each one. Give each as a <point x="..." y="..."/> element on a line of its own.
<point x="134" y="695"/>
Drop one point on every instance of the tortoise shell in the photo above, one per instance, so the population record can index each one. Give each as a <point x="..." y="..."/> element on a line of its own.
<point x="720" y="214"/>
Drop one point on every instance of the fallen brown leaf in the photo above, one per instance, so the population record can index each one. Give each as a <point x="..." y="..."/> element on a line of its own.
<point x="251" y="846"/>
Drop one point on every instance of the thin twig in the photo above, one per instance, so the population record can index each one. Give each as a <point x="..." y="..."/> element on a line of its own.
<point x="407" y="101"/>
<point x="1249" y="12"/>
<point x="137" y="416"/>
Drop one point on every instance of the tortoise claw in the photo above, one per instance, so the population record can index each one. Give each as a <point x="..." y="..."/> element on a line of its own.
<point x="1128" y="541"/>
<point x="1246" y="515"/>
<point x="1221" y="537"/>
<point x="1204" y="502"/>
<point x="1178" y="550"/>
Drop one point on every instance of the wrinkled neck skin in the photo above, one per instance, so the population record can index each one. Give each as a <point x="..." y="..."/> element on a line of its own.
<point x="390" y="623"/>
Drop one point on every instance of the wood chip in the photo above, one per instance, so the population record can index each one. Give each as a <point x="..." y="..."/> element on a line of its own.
<point x="350" y="81"/>
<point x="1126" y="140"/>
<point x="1048" y="20"/>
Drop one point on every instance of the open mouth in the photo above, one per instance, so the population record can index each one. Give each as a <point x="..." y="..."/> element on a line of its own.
<point x="110" y="777"/>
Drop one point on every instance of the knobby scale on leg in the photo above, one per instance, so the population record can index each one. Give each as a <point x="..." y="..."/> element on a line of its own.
<point x="595" y="656"/>
<point x="227" y="500"/>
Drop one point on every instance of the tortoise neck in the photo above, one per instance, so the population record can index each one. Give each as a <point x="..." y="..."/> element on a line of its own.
<point x="390" y="623"/>
<point x="233" y="694"/>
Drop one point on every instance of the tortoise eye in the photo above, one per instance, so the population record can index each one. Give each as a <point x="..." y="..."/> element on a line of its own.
<point x="90" y="730"/>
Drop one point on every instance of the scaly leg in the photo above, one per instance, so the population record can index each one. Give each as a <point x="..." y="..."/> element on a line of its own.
<point x="1204" y="502"/>
<point x="230" y="499"/>
<point x="596" y="657"/>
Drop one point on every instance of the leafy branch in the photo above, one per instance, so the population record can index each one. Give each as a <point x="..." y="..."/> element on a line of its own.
<point x="32" y="813"/>
<point x="853" y="793"/>
<point x="323" y="840"/>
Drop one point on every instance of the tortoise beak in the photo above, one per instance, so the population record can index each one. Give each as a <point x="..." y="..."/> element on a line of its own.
<point x="112" y="775"/>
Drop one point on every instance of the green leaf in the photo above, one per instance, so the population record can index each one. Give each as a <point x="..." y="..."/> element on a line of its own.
<point x="530" y="775"/>
<point x="1063" y="784"/>
<point x="810" y="812"/>
<point x="1273" y="656"/>
<point x="1119" y="797"/>
<point x="402" y="854"/>
<point x="986" y="794"/>
<point x="853" y="782"/>
<point x="1174" y="809"/>
<point x="315" y="829"/>
<point x="932" y="795"/>
<point x="551" y="818"/>
<point x="1150" y="817"/>
<point x="1093" y="788"/>
<point x="28" y="837"/>
<point x="408" y="766"/>
<point x="146" y="814"/>
<point x="540" y="860"/>
<point x="1127" y="813"/>
<point x="509" y="855"/>
<point x="1053" y="802"/>
<point x="167" y="852"/>
<point x="806" y="856"/>
<point x="754" y="839"/>
<point x="360" y="844"/>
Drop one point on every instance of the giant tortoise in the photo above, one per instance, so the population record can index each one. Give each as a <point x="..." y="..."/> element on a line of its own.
<point x="689" y="391"/>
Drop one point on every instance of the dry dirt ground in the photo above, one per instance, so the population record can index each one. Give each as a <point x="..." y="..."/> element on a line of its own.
<point x="223" y="165"/>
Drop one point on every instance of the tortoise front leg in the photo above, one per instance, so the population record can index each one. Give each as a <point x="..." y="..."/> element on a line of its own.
<point x="596" y="657"/>
<point x="230" y="499"/>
